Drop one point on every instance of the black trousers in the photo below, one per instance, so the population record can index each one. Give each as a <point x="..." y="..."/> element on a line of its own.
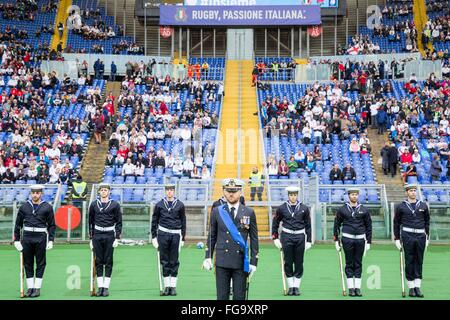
<point x="169" y="252"/>
<point x="354" y="250"/>
<point x="223" y="279"/>
<point x="256" y="190"/>
<point x="34" y="247"/>
<point x="414" y="247"/>
<point x="294" y="251"/>
<point x="103" y="249"/>
<point x="393" y="169"/>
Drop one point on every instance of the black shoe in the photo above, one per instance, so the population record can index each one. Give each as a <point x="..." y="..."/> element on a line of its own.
<point x="36" y="293"/>
<point x="358" y="292"/>
<point x="29" y="293"/>
<point x="100" y="292"/>
<point x="173" y="291"/>
<point x="290" y="292"/>
<point x="296" y="292"/>
<point x="412" y="292"/>
<point x="419" y="294"/>
<point x="166" y="291"/>
<point x="351" y="292"/>
<point x="105" y="292"/>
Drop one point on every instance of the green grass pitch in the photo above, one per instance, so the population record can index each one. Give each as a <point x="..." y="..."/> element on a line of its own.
<point x="135" y="274"/>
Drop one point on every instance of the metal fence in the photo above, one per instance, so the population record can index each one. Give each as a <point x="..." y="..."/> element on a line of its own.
<point x="138" y="201"/>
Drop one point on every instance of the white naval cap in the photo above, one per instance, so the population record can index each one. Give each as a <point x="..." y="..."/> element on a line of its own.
<point x="292" y="189"/>
<point x="37" y="187"/>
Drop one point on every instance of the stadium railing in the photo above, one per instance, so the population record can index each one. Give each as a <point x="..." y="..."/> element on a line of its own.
<point x="12" y="196"/>
<point x="318" y="71"/>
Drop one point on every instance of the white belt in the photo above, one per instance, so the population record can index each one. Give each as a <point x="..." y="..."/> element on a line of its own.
<point x="354" y="236"/>
<point x="302" y="231"/>
<point x="31" y="229"/>
<point x="113" y="228"/>
<point x="177" y="231"/>
<point x="413" y="230"/>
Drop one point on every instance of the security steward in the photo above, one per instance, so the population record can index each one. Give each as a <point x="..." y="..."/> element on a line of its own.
<point x="79" y="191"/>
<point x="105" y="228"/>
<point x="232" y="227"/>
<point x="295" y="237"/>
<point x="356" y="238"/>
<point x="168" y="234"/>
<point x="411" y="233"/>
<point x="256" y="186"/>
<point x="37" y="221"/>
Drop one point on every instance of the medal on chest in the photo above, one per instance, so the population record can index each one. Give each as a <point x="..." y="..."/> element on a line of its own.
<point x="245" y="221"/>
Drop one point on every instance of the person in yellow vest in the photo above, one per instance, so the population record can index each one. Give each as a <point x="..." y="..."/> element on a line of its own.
<point x="79" y="191"/>
<point x="205" y="69"/>
<point x="256" y="185"/>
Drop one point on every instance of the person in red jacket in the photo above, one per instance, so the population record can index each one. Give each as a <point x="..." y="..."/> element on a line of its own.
<point x="406" y="157"/>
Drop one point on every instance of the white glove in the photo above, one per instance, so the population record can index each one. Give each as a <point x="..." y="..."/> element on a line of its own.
<point x="182" y="243"/>
<point x="115" y="243"/>
<point x="91" y="245"/>
<point x="427" y="242"/>
<point x="18" y="246"/>
<point x="155" y="243"/>
<point x="338" y="247"/>
<point x="277" y="243"/>
<point x="398" y="244"/>
<point x="50" y="245"/>
<point x="251" y="270"/>
<point x="308" y="246"/>
<point x="367" y="247"/>
<point x="207" y="264"/>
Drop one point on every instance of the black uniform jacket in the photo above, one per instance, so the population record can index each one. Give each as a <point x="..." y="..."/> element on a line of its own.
<point x="42" y="217"/>
<point x="228" y="253"/>
<point x="110" y="216"/>
<point x="300" y="220"/>
<point x="358" y="223"/>
<point x="404" y="217"/>
<point x="175" y="219"/>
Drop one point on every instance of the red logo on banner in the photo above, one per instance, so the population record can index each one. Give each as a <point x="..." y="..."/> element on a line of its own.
<point x="165" y="32"/>
<point x="315" y="31"/>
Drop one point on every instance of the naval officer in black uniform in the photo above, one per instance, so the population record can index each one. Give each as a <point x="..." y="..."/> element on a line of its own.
<point x="295" y="237"/>
<point x="37" y="221"/>
<point x="105" y="228"/>
<point x="411" y="233"/>
<point x="168" y="233"/>
<point x="232" y="227"/>
<point x="356" y="238"/>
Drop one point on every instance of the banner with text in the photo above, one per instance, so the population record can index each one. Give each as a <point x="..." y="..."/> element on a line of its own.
<point x="171" y="15"/>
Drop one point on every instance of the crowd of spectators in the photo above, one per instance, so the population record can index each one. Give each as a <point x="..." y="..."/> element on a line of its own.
<point x="160" y="114"/>
<point x="30" y="153"/>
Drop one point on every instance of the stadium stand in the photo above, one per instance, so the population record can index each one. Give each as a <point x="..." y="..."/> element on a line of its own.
<point x="165" y="131"/>
<point x="97" y="32"/>
<point x="46" y="123"/>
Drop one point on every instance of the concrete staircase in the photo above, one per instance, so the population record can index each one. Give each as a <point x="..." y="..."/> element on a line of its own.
<point x="394" y="186"/>
<point x="94" y="161"/>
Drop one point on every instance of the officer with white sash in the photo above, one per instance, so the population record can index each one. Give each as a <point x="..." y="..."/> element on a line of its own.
<point x="411" y="233"/>
<point x="356" y="225"/>
<point x="37" y="221"/>
<point x="168" y="234"/>
<point x="233" y="233"/>
<point x="105" y="228"/>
